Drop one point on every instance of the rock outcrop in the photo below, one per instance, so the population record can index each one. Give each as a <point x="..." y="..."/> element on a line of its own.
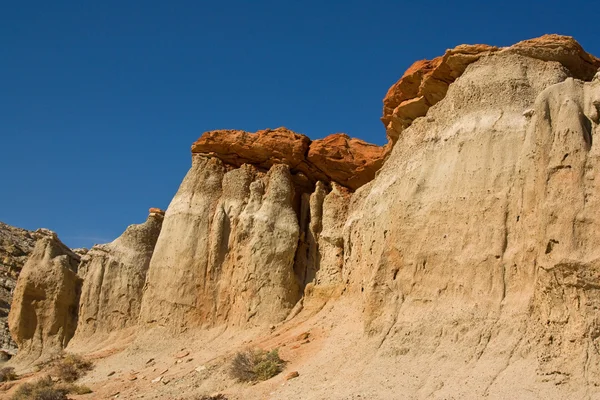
<point x="477" y="243"/>
<point x="470" y="261"/>
<point x="15" y="246"/>
<point x="336" y="158"/>
<point x="226" y="250"/>
<point x="43" y="314"/>
<point x="426" y="82"/>
<point x="113" y="276"/>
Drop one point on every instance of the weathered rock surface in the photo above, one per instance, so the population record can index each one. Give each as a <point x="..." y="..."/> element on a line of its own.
<point x="476" y="247"/>
<point x="15" y="246"/>
<point x="336" y="158"/>
<point x="43" y="314"/>
<point x="471" y="260"/>
<point x="113" y="280"/>
<point x="226" y="250"/>
<point x="426" y="82"/>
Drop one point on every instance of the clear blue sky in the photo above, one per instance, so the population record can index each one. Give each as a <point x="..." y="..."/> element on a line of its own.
<point x="101" y="100"/>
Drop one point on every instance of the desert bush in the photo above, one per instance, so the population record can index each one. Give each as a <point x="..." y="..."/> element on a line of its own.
<point x="219" y="396"/>
<point x="46" y="389"/>
<point x="41" y="390"/>
<point x="72" y="367"/>
<point x="7" y="374"/>
<point x="256" y="365"/>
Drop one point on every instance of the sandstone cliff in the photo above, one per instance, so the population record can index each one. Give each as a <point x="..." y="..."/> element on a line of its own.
<point x="476" y="244"/>
<point x="15" y="246"/>
<point x="464" y="266"/>
<point x="43" y="313"/>
<point x="113" y="279"/>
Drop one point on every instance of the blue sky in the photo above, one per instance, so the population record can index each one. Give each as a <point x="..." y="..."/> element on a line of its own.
<point x="101" y="100"/>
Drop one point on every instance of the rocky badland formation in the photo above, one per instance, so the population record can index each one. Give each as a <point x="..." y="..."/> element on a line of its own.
<point x="459" y="261"/>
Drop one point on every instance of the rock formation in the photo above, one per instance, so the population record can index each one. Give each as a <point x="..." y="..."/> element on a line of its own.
<point x="113" y="279"/>
<point x="15" y="246"/>
<point x="43" y="313"/>
<point x="226" y="251"/>
<point x="336" y="158"/>
<point x="426" y="82"/>
<point x="483" y="212"/>
<point x="471" y="258"/>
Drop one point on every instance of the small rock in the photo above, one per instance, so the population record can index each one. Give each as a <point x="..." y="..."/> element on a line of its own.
<point x="303" y="336"/>
<point x="529" y="112"/>
<point x="200" y="368"/>
<point x="182" y="354"/>
<point x="132" y="377"/>
<point x="149" y="361"/>
<point x="292" y="375"/>
<point x="156" y="380"/>
<point x="111" y="373"/>
<point x="164" y="371"/>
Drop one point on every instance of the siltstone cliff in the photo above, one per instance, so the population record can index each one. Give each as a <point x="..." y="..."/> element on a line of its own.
<point x="467" y="248"/>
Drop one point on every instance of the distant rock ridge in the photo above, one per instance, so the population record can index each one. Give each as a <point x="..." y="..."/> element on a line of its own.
<point x="336" y="158"/>
<point x="426" y="82"/>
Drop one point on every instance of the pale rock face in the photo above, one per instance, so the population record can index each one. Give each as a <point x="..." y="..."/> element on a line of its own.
<point x="331" y="237"/>
<point x="476" y="244"/>
<point x="43" y="314"/>
<point x="15" y="246"/>
<point x="113" y="280"/>
<point x="226" y="250"/>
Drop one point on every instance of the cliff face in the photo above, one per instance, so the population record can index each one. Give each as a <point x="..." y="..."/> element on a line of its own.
<point x="43" y="313"/>
<point x="227" y="249"/>
<point x="15" y="246"/>
<point x="470" y="256"/>
<point x="483" y="212"/>
<point x="113" y="279"/>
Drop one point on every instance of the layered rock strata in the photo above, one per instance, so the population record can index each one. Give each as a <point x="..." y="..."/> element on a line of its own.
<point x="336" y="158"/>
<point x="476" y="245"/>
<point x="426" y="82"/>
<point x="472" y="254"/>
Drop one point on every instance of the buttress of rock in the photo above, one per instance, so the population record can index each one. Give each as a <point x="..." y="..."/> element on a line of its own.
<point x="477" y="244"/>
<point x="16" y="245"/>
<point x="113" y="280"/>
<point x="426" y="82"/>
<point x="43" y="314"/>
<point x="226" y="251"/>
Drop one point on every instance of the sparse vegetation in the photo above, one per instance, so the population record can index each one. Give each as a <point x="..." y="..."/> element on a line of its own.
<point x="219" y="396"/>
<point x="71" y="367"/>
<point x="7" y="374"/>
<point x="256" y="365"/>
<point x="47" y="389"/>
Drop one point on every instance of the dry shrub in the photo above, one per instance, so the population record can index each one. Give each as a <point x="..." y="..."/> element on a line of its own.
<point x="7" y="374"/>
<point x="256" y="365"/>
<point x="46" y="389"/>
<point x="72" y="367"/>
<point x="219" y="396"/>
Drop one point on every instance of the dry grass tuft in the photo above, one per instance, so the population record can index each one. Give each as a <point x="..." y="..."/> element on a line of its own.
<point x="46" y="389"/>
<point x="7" y="374"/>
<point x="256" y="365"/>
<point x="72" y="367"/>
